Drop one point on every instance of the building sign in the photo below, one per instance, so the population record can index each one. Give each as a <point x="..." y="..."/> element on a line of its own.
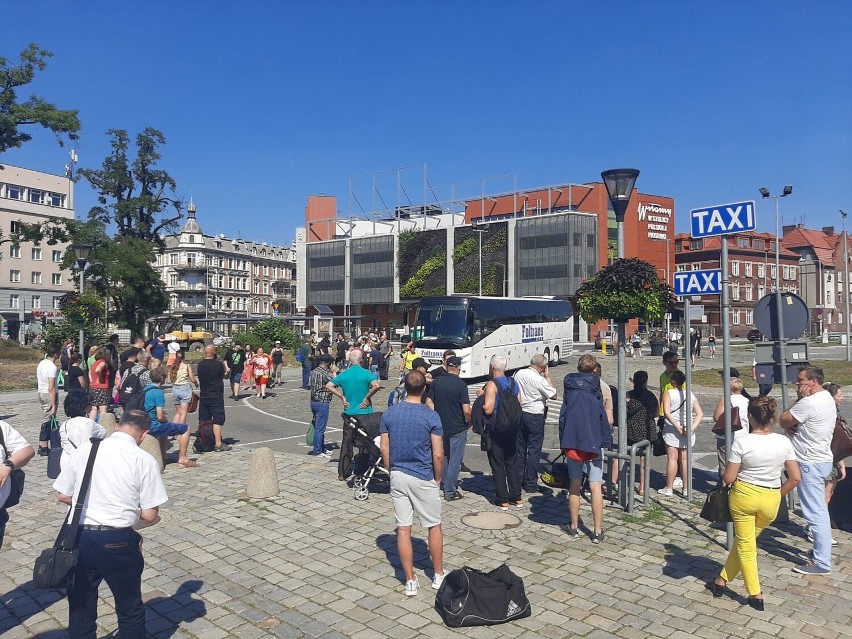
<point x="48" y="314"/>
<point x="657" y="219"/>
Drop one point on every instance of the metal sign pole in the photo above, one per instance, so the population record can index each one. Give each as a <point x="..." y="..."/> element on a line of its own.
<point x="726" y="365"/>
<point x="688" y="419"/>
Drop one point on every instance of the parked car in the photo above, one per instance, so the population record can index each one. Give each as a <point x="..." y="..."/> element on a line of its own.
<point x="754" y="335"/>
<point x="222" y="341"/>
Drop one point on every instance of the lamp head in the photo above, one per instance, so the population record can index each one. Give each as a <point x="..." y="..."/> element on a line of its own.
<point x="81" y="251"/>
<point x="788" y="190"/>
<point x="763" y="192"/>
<point x="619" y="186"/>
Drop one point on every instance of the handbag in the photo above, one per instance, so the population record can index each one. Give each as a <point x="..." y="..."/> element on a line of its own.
<point x="193" y="403"/>
<point x="736" y="424"/>
<point x="841" y="442"/>
<point x="16" y="479"/>
<point x="54" y="567"/>
<point x="309" y="436"/>
<point x="715" y="507"/>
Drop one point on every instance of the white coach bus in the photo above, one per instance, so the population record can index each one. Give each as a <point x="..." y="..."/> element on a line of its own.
<point x="478" y="327"/>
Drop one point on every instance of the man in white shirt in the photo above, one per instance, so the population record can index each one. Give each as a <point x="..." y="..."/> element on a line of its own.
<point x="15" y="452"/>
<point x="126" y="491"/>
<point x="810" y="426"/>
<point x="536" y="388"/>
<point x="48" y="395"/>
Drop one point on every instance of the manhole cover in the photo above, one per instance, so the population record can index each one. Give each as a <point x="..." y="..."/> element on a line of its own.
<point x="491" y="521"/>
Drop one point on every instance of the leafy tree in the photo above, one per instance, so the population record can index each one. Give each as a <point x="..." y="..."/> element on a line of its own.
<point x="134" y="196"/>
<point x="266" y="332"/>
<point x="15" y="114"/>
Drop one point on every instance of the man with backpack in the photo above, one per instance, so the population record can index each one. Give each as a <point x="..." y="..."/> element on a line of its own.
<point x="584" y="431"/>
<point x="304" y="356"/>
<point x="503" y="413"/>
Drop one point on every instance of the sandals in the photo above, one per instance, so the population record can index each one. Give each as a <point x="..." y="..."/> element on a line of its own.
<point x="189" y="464"/>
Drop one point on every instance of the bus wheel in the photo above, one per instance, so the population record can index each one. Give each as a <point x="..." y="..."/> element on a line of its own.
<point x="555" y="361"/>
<point x="547" y="355"/>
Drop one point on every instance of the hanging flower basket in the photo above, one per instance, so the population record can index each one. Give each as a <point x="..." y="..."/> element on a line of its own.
<point x="626" y="289"/>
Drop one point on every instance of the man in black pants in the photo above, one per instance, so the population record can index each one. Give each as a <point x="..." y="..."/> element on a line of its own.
<point x="211" y="399"/>
<point x="503" y="451"/>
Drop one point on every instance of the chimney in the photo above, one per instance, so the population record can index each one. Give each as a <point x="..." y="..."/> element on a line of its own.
<point x="789" y="227"/>
<point x="828" y="230"/>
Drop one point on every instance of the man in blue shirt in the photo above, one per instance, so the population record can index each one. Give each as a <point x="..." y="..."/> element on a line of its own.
<point x="155" y="404"/>
<point x="413" y="451"/>
<point x="157" y="348"/>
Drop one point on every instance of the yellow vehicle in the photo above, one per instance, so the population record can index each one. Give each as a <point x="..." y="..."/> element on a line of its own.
<point x="190" y="340"/>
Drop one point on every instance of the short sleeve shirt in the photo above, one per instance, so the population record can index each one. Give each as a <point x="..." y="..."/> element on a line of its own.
<point x="355" y="382"/>
<point x="761" y="458"/>
<point x="45" y="371"/>
<point x="817" y="415"/>
<point x="410" y="428"/>
<point x="154" y="398"/>
<point x="211" y="372"/>
<point x="449" y="394"/>
<point x="14" y="442"/>
<point x="535" y="391"/>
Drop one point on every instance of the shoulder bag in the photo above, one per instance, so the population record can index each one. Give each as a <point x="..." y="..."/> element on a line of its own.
<point x="193" y="402"/>
<point x="54" y="568"/>
<point x="16" y="478"/>
<point x="736" y="424"/>
<point x="841" y="442"/>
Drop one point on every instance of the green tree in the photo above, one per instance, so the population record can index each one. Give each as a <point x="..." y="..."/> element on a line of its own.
<point x="15" y="114"/>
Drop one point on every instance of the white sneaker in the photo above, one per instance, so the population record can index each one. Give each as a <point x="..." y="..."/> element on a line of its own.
<point x="411" y="587"/>
<point x="678" y="483"/>
<point x="323" y="455"/>
<point x="438" y="580"/>
<point x="834" y="542"/>
<point x="668" y="492"/>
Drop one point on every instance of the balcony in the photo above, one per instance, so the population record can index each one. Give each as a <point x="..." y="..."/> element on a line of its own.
<point x="184" y="286"/>
<point x="184" y="265"/>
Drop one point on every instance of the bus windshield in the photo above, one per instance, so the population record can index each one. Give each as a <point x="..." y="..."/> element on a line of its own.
<point x="444" y="321"/>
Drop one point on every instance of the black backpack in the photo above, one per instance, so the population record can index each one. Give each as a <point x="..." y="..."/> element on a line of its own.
<point x="136" y="401"/>
<point x="510" y="417"/>
<point x="130" y="386"/>
<point x="205" y="441"/>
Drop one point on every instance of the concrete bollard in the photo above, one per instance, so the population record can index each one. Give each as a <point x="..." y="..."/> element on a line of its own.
<point x="152" y="446"/>
<point x="263" y="476"/>
<point x="108" y="422"/>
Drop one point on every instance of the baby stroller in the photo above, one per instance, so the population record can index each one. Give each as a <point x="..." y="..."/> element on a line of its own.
<point x="367" y="461"/>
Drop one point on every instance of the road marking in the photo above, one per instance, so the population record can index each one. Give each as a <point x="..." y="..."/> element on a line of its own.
<point x="293" y="421"/>
<point x="281" y="439"/>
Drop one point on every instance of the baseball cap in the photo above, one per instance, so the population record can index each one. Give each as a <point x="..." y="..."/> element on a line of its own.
<point x="455" y="362"/>
<point x="278" y="341"/>
<point x="733" y="371"/>
<point x="419" y="362"/>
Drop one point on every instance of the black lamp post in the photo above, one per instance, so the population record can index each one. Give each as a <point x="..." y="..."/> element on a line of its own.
<point x="619" y="185"/>
<point x="81" y="253"/>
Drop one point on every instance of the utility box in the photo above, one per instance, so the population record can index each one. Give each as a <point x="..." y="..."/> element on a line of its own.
<point x="767" y="357"/>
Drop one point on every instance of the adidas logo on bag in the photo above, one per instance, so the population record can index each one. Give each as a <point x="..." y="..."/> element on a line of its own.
<point x="513" y="609"/>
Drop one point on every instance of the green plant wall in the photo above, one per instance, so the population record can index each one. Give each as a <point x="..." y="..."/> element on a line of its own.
<point x="495" y="258"/>
<point x="422" y="264"/>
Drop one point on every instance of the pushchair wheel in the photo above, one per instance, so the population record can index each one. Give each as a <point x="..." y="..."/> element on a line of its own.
<point x="361" y="493"/>
<point x="358" y="482"/>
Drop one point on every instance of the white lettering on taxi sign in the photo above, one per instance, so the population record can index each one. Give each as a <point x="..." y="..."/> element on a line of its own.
<point x="708" y="282"/>
<point x="723" y="219"/>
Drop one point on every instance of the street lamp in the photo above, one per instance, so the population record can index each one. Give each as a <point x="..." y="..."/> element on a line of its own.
<point x="619" y="186"/>
<point x="81" y="253"/>
<point x="788" y="190"/>
<point x="846" y="284"/>
<point x="475" y="224"/>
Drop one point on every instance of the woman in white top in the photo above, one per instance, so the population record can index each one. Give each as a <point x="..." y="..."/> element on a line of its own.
<point x="737" y="401"/>
<point x="754" y="468"/>
<point x="78" y="428"/>
<point x="675" y="429"/>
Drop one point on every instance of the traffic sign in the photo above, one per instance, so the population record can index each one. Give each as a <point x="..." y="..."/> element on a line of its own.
<point x="723" y="219"/>
<point x="708" y="282"/>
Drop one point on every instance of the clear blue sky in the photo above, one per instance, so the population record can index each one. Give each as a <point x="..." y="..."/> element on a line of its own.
<point x="264" y="103"/>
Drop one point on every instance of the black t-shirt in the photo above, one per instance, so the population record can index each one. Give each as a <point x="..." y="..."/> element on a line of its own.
<point x="437" y="372"/>
<point x="210" y="374"/>
<point x="236" y="360"/>
<point x="72" y="380"/>
<point x="449" y="394"/>
<point x="342" y="348"/>
<point x="277" y="355"/>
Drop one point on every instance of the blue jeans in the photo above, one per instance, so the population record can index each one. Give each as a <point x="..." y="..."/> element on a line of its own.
<point x="320" y="411"/>
<point x="815" y="510"/>
<point x="374" y="369"/>
<point x="453" y="458"/>
<point x="114" y="556"/>
<point x="306" y="373"/>
<point x="530" y="441"/>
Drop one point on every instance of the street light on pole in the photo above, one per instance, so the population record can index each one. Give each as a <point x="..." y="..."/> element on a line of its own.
<point x="81" y="253"/>
<point x="619" y="186"/>
<point x="788" y="190"/>
<point x="846" y="284"/>
<point x="475" y="224"/>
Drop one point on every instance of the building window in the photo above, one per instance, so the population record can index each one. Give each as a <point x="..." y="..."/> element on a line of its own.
<point x="173" y="279"/>
<point x="173" y="258"/>
<point x="57" y="279"/>
<point x="37" y="254"/>
<point x="266" y="269"/>
<point x="36" y="196"/>
<point x="773" y="272"/>
<point x="735" y="318"/>
<point x="761" y="270"/>
<point x="56" y="302"/>
<point x="748" y="269"/>
<point x="786" y="270"/>
<point x="742" y="242"/>
<point x="190" y="259"/>
<point x="792" y="272"/>
<point x="759" y="244"/>
<point x="760" y="292"/>
<point x="192" y="239"/>
<point x="257" y="269"/>
<point x="15" y="251"/>
<point x="36" y="301"/>
<point x="735" y="267"/>
<point x="14" y="275"/>
<point x="15" y="226"/>
<point x="257" y="287"/>
<point x="749" y="317"/>
<point x="828" y="298"/>
<point x="55" y="199"/>
<point x="680" y="267"/>
<point x="14" y="192"/>
<point x="696" y="267"/>
<point x="36" y="277"/>
<point x="57" y="256"/>
<point x="735" y="292"/>
<point x="748" y="294"/>
<point x="266" y="288"/>
<point x="15" y="301"/>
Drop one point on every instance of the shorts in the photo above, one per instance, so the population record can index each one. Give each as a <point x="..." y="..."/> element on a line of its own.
<point x="182" y="394"/>
<point x="410" y="495"/>
<point x="236" y="376"/>
<point x="262" y="380"/>
<point x="99" y="397"/>
<point x="169" y="429"/>
<point x="212" y="409"/>
<point x="593" y="469"/>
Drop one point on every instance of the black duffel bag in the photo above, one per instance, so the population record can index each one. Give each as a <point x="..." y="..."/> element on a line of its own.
<point x="470" y="597"/>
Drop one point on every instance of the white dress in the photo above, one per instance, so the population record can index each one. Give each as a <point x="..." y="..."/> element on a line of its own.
<point x="677" y="409"/>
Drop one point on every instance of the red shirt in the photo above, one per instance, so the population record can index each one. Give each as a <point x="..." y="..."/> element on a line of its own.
<point x="95" y="373"/>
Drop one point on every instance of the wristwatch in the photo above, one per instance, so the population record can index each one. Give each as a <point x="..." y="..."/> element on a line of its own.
<point x="10" y="464"/>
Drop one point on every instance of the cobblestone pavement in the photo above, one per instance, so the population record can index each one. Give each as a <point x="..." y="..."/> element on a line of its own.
<point x="314" y="562"/>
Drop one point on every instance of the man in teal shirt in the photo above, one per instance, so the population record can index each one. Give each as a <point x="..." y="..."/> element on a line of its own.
<point x="358" y="386"/>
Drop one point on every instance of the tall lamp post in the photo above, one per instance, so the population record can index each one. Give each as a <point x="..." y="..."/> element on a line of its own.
<point x="779" y="306"/>
<point x="619" y="185"/>
<point x="846" y="290"/>
<point x="81" y="253"/>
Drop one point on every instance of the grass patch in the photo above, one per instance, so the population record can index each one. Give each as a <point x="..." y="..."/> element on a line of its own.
<point x="18" y="366"/>
<point x="837" y="371"/>
<point x="654" y="512"/>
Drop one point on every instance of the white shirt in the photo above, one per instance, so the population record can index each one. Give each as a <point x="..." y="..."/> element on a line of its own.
<point x="173" y="347"/>
<point x="75" y="432"/>
<point x="125" y="479"/>
<point x="738" y="401"/>
<point x="816" y="415"/>
<point x="46" y="371"/>
<point x="761" y="458"/>
<point x="535" y="391"/>
<point x="14" y="443"/>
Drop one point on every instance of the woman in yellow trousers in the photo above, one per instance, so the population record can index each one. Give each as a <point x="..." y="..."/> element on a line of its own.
<point x="755" y="463"/>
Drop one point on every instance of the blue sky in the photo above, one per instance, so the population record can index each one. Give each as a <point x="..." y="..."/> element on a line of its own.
<point x="265" y="103"/>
